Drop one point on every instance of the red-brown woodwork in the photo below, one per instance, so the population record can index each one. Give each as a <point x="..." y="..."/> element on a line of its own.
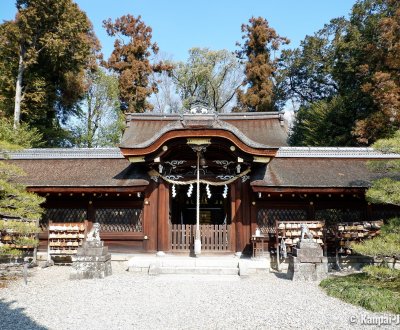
<point x="246" y="227"/>
<point x="163" y="217"/>
<point x="298" y="190"/>
<point x="79" y="190"/>
<point x="232" y="191"/>
<point x="150" y="214"/>
<point x="238" y="218"/>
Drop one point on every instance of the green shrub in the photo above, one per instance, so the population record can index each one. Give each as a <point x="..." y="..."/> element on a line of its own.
<point x="365" y="291"/>
<point x="382" y="273"/>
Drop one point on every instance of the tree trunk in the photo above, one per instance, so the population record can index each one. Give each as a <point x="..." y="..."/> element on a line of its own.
<point x="18" y="92"/>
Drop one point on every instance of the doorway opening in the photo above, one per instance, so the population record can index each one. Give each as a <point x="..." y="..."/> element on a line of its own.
<point x="215" y="218"/>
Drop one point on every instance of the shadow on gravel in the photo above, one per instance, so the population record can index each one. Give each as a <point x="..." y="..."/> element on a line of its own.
<point x="14" y="318"/>
<point x="283" y="276"/>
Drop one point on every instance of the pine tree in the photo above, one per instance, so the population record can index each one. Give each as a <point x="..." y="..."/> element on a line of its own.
<point x="385" y="191"/>
<point x="20" y="210"/>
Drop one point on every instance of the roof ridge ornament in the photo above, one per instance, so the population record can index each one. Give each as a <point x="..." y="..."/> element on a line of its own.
<point x="199" y="107"/>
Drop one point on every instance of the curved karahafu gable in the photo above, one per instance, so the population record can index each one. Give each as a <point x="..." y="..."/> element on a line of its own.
<point x="254" y="133"/>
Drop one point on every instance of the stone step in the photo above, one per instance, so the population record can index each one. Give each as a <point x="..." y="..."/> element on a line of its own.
<point x="198" y="270"/>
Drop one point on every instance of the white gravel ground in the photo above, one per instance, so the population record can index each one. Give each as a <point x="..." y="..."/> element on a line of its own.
<point x="128" y="300"/>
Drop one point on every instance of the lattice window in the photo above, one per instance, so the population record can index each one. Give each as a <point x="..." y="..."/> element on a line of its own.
<point x="62" y="215"/>
<point x="266" y="217"/>
<point x="333" y="216"/>
<point x="385" y="213"/>
<point x="119" y="219"/>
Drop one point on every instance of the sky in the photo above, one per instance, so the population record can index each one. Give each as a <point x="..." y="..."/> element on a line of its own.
<point x="179" y="25"/>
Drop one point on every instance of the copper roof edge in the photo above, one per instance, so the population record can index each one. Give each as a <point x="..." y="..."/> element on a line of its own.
<point x="222" y="116"/>
<point x="66" y="153"/>
<point x="334" y="152"/>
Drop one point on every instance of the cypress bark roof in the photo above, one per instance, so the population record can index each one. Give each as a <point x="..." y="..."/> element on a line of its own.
<point x="256" y="130"/>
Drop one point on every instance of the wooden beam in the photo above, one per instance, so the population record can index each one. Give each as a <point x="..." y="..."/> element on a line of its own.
<point x="79" y="190"/>
<point x="302" y="190"/>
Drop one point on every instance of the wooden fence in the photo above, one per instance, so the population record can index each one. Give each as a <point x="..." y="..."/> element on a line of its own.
<point x="213" y="237"/>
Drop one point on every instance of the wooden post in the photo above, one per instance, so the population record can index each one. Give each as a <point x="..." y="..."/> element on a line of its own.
<point x="232" y="237"/>
<point x="238" y="217"/>
<point x="150" y="212"/>
<point x="246" y="204"/>
<point x="163" y="218"/>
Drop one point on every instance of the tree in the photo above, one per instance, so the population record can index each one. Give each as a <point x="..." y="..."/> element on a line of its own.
<point x="43" y="54"/>
<point x="322" y="123"/>
<point x="20" y="210"/>
<point x="305" y="74"/>
<point x="357" y="61"/>
<point x="261" y="41"/>
<point x="100" y="122"/>
<point x="209" y="76"/>
<point x="375" y="38"/>
<point x="385" y="191"/>
<point x="166" y="100"/>
<point x="130" y="59"/>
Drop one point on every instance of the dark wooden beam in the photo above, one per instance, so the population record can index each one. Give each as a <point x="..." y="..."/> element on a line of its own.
<point x="306" y="190"/>
<point x="79" y="190"/>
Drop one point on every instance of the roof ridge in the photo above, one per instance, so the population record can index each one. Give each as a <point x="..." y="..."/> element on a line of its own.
<point x="333" y="152"/>
<point x="65" y="153"/>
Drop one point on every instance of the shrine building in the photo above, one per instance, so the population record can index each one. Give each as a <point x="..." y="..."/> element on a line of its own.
<point x="214" y="178"/>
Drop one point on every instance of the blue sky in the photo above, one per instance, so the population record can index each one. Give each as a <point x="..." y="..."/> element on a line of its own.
<point x="179" y="25"/>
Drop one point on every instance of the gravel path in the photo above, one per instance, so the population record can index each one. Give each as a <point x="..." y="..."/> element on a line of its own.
<point x="135" y="301"/>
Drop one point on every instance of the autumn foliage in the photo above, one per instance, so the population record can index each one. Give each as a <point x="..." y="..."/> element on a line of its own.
<point x="261" y="41"/>
<point x="130" y="59"/>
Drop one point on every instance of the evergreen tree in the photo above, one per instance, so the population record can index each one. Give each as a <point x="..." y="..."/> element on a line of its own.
<point x="356" y="61"/>
<point x="44" y="52"/>
<point x="261" y="41"/>
<point x="20" y="210"/>
<point x="385" y="191"/>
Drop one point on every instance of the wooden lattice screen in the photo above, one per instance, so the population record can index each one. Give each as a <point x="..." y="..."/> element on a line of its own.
<point x="62" y="215"/>
<point x="119" y="219"/>
<point x="266" y="218"/>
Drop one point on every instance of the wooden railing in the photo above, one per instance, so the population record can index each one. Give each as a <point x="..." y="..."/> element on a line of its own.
<point x="213" y="237"/>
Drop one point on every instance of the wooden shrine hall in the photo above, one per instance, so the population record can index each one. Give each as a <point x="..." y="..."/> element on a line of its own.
<point x="202" y="178"/>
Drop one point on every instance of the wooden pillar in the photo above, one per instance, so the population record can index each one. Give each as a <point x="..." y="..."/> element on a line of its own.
<point x="253" y="214"/>
<point x="233" y="217"/>
<point x="163" y="218"/>
<point x="238" y="217"/>
<point x="150" y="213"/>
<point x="245" y="205"/>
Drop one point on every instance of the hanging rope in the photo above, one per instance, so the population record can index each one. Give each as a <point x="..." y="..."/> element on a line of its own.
<point x="154" y="173"/>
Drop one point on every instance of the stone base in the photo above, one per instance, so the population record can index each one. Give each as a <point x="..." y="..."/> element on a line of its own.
<point x="307" y="262"/>
<point x="92" y="261"/>
<point x="307" y="271"/>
